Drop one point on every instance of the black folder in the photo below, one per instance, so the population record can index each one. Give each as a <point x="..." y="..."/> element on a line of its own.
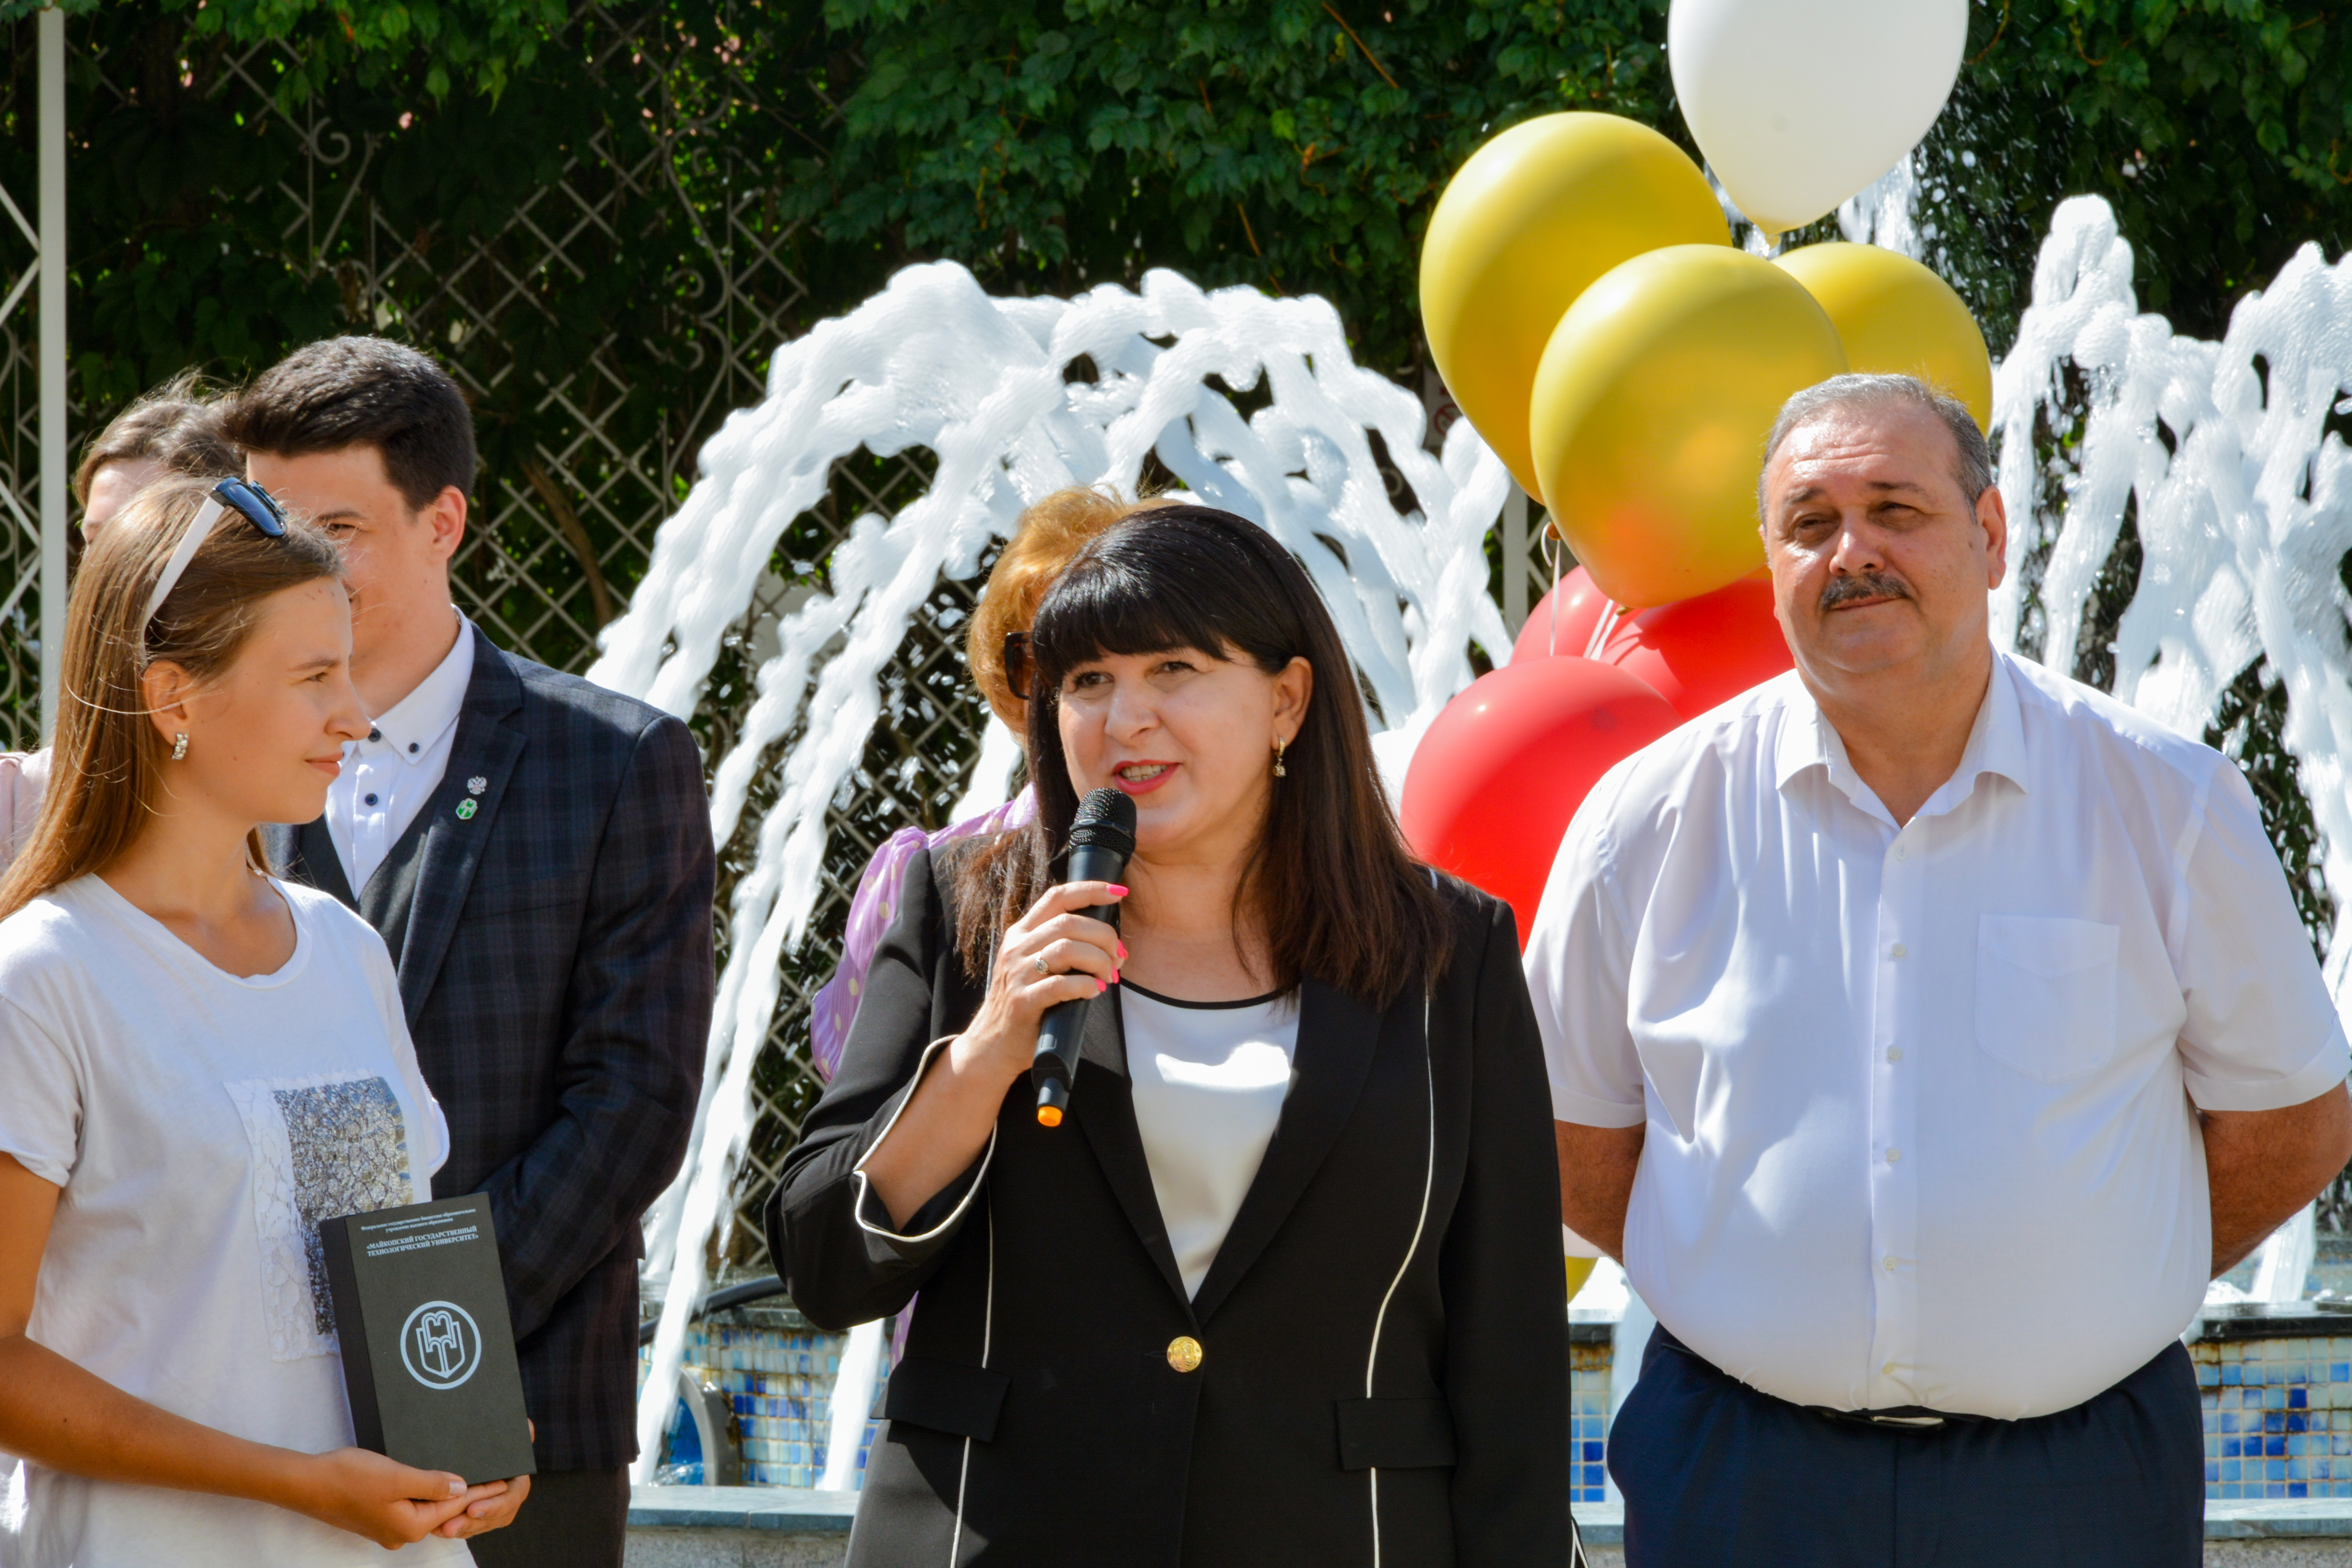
<point x="429" y="1350"/>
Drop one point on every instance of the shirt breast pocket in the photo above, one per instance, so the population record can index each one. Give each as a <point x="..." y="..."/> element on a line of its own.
<point x="2046" y="993"/>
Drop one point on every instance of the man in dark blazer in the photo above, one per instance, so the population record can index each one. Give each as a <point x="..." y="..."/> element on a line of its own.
<point x="536" y="852"/>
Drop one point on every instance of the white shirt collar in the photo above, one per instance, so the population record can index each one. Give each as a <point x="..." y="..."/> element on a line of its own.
<point x="410" y="727"/>
<point x="1996" y="744"/>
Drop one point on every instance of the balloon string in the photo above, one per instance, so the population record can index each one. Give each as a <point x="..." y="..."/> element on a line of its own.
<point x="1602" y="628"/>
<point x="1551" y="556"/>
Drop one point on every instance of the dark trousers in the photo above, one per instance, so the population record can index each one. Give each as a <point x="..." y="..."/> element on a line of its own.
<point x="1716" y="1475"/>
<point x="572" y="1519"/>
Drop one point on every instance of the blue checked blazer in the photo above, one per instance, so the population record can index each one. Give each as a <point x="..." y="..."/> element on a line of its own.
<point x="556" y="966"/>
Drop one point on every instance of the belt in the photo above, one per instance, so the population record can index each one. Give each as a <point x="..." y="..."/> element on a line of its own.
<point x="1901" y="1418"/>
<point x="1897" y="1418"/>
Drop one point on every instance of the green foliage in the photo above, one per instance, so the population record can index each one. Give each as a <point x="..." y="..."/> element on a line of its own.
<point x="1294" y="144"/>
<point x="1300" y="146"/>
<point x="483" y="42"/>
<point x="2220" y="131"/>
<point x="480" y="43"/>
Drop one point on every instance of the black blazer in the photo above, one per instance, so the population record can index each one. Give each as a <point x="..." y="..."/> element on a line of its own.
<point x="1038" y="1419"/>
<point x="555" y="965"/>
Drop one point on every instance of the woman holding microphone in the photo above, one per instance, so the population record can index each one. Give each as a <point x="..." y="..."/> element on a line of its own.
<point x="1284" y="1286"/>
<point x="198" y="1063"/>
<point x="1044" y="539"/>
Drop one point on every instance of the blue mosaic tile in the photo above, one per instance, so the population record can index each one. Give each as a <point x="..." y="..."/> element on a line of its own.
<point x="2273" y="1426"/>
<point x="778" y="1384"/>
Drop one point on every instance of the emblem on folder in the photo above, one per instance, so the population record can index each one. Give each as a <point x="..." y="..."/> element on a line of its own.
<point x="439" y="1344"/>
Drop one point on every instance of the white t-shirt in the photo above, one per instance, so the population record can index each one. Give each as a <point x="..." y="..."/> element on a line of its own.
<point x="1209" y="1079"/>
<point x="200" y="1125"/>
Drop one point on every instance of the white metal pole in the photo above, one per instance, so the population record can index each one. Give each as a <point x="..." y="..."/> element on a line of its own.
<point x="52" y="360"/>
<point x="1516" y="565"/>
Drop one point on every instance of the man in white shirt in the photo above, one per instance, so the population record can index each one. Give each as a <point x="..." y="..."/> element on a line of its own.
<point x="388" y="777"/>
<point x="1925" y="1030"/>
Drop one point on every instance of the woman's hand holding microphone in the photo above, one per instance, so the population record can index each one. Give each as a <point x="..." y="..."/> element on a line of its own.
<point x="1052" y="954"/>
<point x="1049" y="956"/>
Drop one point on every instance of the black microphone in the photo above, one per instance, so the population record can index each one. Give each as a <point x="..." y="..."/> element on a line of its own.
<point x="1101" y="840"/>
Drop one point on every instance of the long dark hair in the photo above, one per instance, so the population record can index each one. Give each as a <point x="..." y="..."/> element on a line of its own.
<point x="1330" y="883"/>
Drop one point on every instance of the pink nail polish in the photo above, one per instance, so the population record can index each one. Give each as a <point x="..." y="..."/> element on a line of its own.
<point x="1117" y="891"/>
<point x="1114" y="977"/>
<point x="1100" y="987"/>
<point x="1122" y="952"/>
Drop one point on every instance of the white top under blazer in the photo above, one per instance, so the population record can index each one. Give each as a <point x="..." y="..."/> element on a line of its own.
<point x="1208" y="1081"/>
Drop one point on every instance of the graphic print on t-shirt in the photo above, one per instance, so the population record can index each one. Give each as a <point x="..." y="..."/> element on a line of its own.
<point x="321" y="1147"/>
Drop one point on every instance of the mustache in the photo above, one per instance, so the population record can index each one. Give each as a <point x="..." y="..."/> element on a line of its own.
<point x="1867" y="585"/>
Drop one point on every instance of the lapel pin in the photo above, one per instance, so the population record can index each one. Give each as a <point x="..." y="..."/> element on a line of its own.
<point x="476" y="784"/>
<point x="466" y="810"/>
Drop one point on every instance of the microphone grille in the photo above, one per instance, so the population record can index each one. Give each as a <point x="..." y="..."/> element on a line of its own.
<point x="1107" y="819"/>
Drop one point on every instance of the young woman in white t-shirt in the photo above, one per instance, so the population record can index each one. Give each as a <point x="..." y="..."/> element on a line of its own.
<point x="200" y="1063"/>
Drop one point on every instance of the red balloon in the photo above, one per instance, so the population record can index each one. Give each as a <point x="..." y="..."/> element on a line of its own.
<point x="1701" y="652"/>
<point x="1496" y="780"/>
<point x="1581" y="605"/>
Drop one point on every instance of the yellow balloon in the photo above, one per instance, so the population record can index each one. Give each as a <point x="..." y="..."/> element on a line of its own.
<point x="1894" y="316"/>
<point x="1649" y="411"/>
<point x="1580" y="1269"/>
<point x="1533" y="217"/>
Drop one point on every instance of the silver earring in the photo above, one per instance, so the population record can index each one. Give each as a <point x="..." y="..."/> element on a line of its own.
<point x="1280" y="746"/>
<point x="180" y="747"/>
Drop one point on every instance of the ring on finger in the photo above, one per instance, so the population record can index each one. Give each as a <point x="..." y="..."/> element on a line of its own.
<point x="1042" y="966"/>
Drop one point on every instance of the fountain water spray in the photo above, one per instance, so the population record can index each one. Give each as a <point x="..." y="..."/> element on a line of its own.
<point x="1882" y="212"/>
<point x="2241" y="500"/>
<point x="2242" y="503"/>
<point x="995" y="389"/>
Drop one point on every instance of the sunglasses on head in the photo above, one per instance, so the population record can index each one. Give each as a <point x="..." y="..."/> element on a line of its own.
<point x="253" y="504"/>
<point x="1017" y="664"/>
<point x="243" y="497"/>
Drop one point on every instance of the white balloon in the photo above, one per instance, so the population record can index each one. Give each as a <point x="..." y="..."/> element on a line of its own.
<point x="1798" y="104"/>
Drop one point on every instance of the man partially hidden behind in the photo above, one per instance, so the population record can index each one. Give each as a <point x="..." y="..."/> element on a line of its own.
<point x="536" y="852"/>
<point x="1925" y="1030"/>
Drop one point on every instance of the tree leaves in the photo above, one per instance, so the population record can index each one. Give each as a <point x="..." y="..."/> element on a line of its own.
<point x="1292" y="144"/>
<point x="2208" y="125"/>
<point x="1295" y="144"/>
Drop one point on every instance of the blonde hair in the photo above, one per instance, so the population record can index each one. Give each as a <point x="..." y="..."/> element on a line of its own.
<point x="1048" y="536"/>
<point x="108" y="762"/>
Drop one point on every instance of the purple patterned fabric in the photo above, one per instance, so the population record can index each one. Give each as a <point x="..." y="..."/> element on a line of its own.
<point x="870" y="913"/>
